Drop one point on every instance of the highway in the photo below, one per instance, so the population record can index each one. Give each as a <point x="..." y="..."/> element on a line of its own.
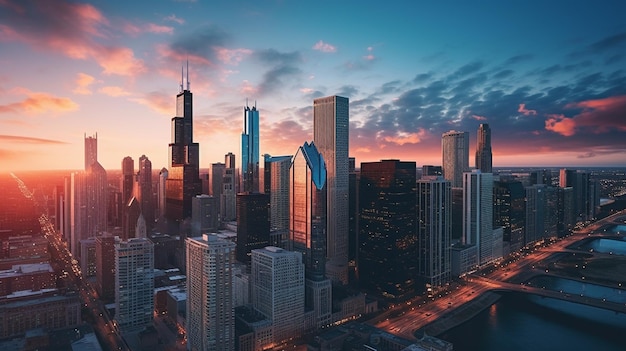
<point x="404" y="319"/>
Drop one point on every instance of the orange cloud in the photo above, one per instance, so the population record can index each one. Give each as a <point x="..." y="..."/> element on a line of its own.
<point x="522" y="109"/>
<point x="600" y="104"/>
<point x="401" y="138"/>
<point x="36" y="102"/>
<point x="83" y="81"/>
<point x="28" y="140"/>
<point x="561" y="125"/>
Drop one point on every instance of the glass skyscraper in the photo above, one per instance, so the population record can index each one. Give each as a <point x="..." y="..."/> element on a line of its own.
<point x="483" y="149"/>
<point x="250" y="149"/>
<point x="331" y="135"/>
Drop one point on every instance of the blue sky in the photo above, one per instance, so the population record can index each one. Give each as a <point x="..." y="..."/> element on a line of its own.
<point x="548" y="76"/>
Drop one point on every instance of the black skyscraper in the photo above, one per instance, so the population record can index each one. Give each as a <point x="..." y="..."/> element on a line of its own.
<point x="253" y="224"/>
<point x="183" y="180"/>
<point x="483" y="149"/>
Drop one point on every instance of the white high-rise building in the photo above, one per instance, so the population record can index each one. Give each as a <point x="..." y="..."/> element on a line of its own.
<point x="134" y="284"/>
<point x="434" y="212"/>
<point x="210" y="312"/>
<point x="478" y="214"/>
<point x="331" y="136"/>
<point x="278" y="290"/>
<point x="455" y="156"/>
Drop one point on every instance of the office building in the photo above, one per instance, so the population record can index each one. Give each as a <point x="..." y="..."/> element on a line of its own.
<point x="278" y="290"/>
<point x="91" y="150"/>
<point x="388" y="228"/>
<point x="210" y="313"/>
<point x="161" y="191"/>
<point x="276" y="185"/>
<point x="105" y="266"/>
<point x="183" y="180"/>
<point x="430" y="170"/>
<point x="307" y="228"/>
<point x="128" y="179"/>
<point x="483" y="149"/>
<point x="204" y="215"/>
<point x="250" y="149"/>
<point x="134" y="284"/>
<point x="253" y="224"/>
<point x="509" y="212"/>
<point x="478" y="215"/>
<point x="331" y="136"/>
<point x="228" y="208"/>
<point x="434" y="232"/>
<point x="145" y="192"/>
<point x="455" y="156"/>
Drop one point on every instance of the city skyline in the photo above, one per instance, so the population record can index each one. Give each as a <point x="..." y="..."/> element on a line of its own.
<point x="546" y="77"/>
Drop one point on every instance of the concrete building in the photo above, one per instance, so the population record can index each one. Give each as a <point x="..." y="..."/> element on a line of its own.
<point x="455" y="156"/>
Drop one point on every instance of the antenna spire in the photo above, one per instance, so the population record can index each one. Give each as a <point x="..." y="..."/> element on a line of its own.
<point x="188" y="84"/>
<point x="181" y="78"/>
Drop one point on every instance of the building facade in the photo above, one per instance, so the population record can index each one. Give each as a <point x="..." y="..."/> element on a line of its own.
<point x="455" y="156"/>
<point x="250" y="149"/>
<point x="331" y="136"/>
<point x="483" y="149"/>
<point x="210" y="311"/>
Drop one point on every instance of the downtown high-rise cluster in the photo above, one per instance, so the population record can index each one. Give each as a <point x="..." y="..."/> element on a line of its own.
<point x="275" y="252"/>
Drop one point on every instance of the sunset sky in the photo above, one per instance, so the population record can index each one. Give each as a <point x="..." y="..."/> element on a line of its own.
<point x="548" y="76"/>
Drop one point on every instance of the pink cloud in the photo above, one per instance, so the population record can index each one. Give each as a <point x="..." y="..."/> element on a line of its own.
<point x="83" y="81"/>
<point x="113" y="91"/>
<point x="232" y="56"/>
<point x="74" y="30"/>
<point x="324" y="47"/>
<point x="479" y="118"/>
<point x="36" y="103"/>
<point x="561" y="125"/>
<point x="602" y="115"/>
<point x="134" y="30"/>
<point x="247" y="88"/>
<point x="523" y="110"/>
<point x="175" y="56"/>
<point x="159" y="102"/>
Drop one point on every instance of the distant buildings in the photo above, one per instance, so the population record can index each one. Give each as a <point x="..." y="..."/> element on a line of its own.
<point x="145" y="192"/>
<point x="331" y="135"/>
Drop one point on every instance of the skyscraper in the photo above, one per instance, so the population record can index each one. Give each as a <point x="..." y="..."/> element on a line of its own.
<point x="434" y="231"/>
<point x="478" y="214"/>
<point x="307" y="227"/>
<point x="250" y="149"/>
<point x="91" y="150"/>
<point x="183" y="180"/>
<point x="161" y="191"/>
<point x="105" y="267"/>
<point x="253" y="224"/>
<point x="210" y="312"/>
<point x="228" y="208"/>
<point x="388" y="228"/>
<point x="455" y="156"/>
<point x="127" y="181"/>
<point x="483" y="149"/>
<point x="276" y="171"/>
<point x="278" y="290"/>
<point x="146" y="197"/>
<point x="331" y="136"/>
<point x="134" y="284"/>
<point x="204" y="214"/>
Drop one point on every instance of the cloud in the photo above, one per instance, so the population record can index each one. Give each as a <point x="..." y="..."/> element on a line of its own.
<point x="601" y="115"/>
<point x="74" y="30"/>
<point x="134" y="29"/>
<point x="158" y="101"/>
<point x="402" y="138"/>
<point x="479" y="118"/>
<point x="201" y="47"/>
<point x="232" y="56"/>
<point x="524" y="111"/>
<point x="561" y="125"/>
<point x="283" y="67"/>
<point x="29" y="140"/>
<point x="324" y="47"/>
<point x="37" y="103"/>
<point x="83" y="81"/>
<point x="173" y="18"/>
<point x="514" y="60"/>
<point x="114" y="91"/>
<point x="609" y="42"/>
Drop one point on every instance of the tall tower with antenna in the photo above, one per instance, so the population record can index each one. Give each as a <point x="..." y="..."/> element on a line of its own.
<point x="183" y="180"/>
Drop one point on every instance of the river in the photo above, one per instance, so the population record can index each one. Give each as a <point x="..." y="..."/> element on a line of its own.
<point x="519" y="322"/>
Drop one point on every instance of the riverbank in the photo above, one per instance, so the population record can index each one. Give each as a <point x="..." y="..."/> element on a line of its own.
<point x="460" y="314"/>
